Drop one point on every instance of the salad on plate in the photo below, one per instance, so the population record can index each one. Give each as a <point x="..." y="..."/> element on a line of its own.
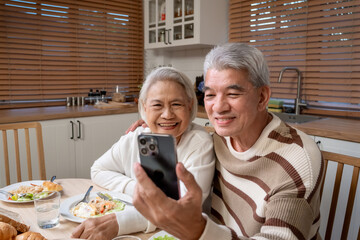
<point x="97" y="207"/>
<point x="26" y="191"/>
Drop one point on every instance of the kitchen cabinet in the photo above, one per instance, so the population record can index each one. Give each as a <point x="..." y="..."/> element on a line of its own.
<point x="171" y="23"/>
<point x="347" y="148"/>
<point x="202" y="121"/>
<point x="72" y="145"/>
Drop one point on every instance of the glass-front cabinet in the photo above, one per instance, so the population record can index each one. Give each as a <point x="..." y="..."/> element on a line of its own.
<point x="171" y="23"/>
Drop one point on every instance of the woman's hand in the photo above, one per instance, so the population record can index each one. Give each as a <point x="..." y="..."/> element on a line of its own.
<point x="135" y="125"/>
<point x="182" y="218"/>
<point x="99" y="228"/>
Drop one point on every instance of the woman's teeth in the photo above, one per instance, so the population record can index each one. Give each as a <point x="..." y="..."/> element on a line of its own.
<point x="167" y="124"/>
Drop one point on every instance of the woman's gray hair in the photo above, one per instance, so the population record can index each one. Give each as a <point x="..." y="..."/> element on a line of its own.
<point x="168" y="74"/>
<point x="239" y="56"/>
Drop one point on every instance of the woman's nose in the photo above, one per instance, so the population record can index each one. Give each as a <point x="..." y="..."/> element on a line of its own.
<point x="167" y="113"/>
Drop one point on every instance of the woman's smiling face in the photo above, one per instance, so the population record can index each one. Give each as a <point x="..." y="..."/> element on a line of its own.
<point x="167" y="108"/>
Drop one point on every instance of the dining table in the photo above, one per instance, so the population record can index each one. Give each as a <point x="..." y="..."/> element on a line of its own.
<point x="71" y="187"/>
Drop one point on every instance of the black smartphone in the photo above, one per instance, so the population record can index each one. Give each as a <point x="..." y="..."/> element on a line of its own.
<point x="158" y="158"/>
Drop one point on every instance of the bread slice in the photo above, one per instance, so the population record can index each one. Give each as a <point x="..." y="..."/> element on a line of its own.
<point x="14" y="219"/>
<point x="50" y="186"/>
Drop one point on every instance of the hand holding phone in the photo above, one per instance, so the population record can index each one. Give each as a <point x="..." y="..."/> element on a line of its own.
<point x="158" y="158"/>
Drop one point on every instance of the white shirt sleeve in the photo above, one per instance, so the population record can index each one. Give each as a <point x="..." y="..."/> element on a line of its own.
<point x="114" y="169"/>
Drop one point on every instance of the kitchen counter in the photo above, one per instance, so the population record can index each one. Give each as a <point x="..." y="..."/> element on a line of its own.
<point x="59" y="112"/>
<point x="337" y="128"/>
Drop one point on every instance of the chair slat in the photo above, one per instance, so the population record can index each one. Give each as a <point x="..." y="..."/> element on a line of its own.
<point x="28" y="153"/>
<point x="17" y="155"/>
<point x="322" y="185"/>
<point x="334" y="201"/>
<point x="350" y="203"/>
<point x="40" y="147"/>
<point x="6" y="157"/>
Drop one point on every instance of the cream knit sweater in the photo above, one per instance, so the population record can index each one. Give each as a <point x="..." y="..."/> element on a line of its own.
<point x="270" y="191"/>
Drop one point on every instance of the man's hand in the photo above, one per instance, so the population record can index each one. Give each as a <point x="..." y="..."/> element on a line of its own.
<point x="99" y="228"/>
<point x="135" y="125"/>
<point x="181" y="218"/>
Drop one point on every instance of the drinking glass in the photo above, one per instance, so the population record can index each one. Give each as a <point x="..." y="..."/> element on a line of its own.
<point x="47" y="208"/>
<point x="126" y="237"/>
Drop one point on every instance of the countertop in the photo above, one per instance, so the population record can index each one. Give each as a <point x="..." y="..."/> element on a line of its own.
<point x="337" y="128"/>
<point x="58" y="112"/>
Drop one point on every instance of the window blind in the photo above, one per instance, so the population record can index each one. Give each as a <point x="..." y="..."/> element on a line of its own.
<point x="53" y="49"/>
<point x="319" y="37"/>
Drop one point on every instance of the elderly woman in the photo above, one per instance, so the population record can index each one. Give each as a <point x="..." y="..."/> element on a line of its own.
<point x="168" y="105"/>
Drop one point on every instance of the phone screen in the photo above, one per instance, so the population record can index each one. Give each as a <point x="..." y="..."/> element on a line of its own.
<point x="158" y="158"/>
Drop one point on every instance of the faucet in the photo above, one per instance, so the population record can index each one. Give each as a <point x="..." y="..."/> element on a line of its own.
<point x="298" y="102"/>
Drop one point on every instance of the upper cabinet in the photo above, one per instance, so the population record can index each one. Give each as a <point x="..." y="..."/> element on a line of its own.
<point x="173" y="23"/>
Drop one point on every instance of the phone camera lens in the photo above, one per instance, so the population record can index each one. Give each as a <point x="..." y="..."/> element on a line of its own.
<point x="152" y="147"/>
<point x="144" y="151"/>
<point x="142" y="141"/>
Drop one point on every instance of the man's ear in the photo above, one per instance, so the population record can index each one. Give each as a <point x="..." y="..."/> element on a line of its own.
<point x="264" y="97"/>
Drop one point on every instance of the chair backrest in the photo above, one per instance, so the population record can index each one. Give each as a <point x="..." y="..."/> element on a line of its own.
<point x="346" y="201"/>
<point x="14" y="128"/>
<point x="210" y="129"/>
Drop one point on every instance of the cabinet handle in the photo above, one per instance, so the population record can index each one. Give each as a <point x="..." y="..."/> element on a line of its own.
<point x="168" y="33"/>
<point x="318" y="142"/>
<point x="72" y="130"/>
<point x="79" y="132"/>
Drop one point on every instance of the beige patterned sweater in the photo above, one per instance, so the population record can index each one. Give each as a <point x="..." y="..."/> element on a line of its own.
<point x="270" y="191"/>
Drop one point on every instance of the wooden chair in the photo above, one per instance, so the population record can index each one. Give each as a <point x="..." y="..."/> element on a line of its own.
<point x="341" y="160"/>
<point x="15" y="127"/>
<point x="210" y="129"/>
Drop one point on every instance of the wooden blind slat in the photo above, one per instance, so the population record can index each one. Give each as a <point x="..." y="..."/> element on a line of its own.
<point x="320" y="37"/>
<point x="58" y="48"/>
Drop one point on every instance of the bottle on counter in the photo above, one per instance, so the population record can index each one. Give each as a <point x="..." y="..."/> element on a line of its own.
<point x="91" y="97"/>
<point x="162" y="11"/>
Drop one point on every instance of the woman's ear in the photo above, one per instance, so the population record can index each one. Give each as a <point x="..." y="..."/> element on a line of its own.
<point x="143" y="105"/>
<point x="264" y="97"/>
<point x="191" y="104"/>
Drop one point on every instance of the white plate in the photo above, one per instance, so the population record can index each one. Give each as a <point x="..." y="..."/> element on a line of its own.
<point x="15" y="186"/>
<point x="161" y="234"/>
<point x="70" y="202"/>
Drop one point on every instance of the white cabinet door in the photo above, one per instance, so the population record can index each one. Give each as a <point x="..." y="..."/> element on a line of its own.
<point x="98" y="134"/>
<point x="171" y="23"/>
<point x="59" y="149"/>
<point x="72" y="145"/>
<point x="347" y="148"/>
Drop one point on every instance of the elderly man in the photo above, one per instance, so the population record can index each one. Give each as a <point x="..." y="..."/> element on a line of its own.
<point x="268" y="174"/>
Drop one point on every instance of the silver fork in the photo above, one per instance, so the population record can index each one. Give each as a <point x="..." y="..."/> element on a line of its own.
<point x="6" y="192"/>
<point x="103" y="196"/>
<point x="86" y="196"/>
<point x="11" y="194"/>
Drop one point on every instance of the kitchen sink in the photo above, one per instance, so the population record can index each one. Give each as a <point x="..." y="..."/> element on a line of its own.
<point x="292" y="118"/>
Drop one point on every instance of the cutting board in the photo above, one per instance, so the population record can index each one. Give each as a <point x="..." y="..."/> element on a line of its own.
<point x="111" y="104"/>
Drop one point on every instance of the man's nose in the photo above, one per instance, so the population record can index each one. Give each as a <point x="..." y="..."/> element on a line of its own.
<point x="221" y="104"/>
